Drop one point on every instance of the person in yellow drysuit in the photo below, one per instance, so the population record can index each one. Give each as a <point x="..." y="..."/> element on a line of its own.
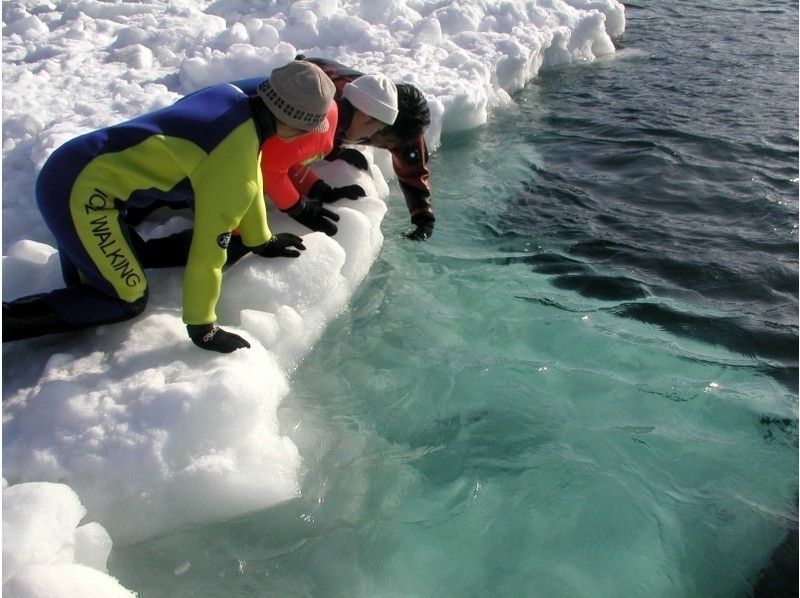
<point x="204" y="149"/>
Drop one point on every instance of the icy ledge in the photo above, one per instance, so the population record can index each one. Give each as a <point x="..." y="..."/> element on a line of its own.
<point x="154" y="434"/>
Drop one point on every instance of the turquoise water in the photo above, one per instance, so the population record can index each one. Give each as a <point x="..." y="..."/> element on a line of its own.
<point x="585" y="383"/>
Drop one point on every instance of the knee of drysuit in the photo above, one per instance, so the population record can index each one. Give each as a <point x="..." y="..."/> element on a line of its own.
<point x="136" y="308"/>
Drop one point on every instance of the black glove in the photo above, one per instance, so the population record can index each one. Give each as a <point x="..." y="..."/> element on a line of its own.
<point x="214" y="338"/>
<point x="315" y="216"/>
<point x="279" y="246"/>
<point x="327" y="194"/>
<point x="352" y="156"/>
<point x="424" y="226"/>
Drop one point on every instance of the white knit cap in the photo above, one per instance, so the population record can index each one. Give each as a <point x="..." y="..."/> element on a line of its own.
<point x="374" y="95"/>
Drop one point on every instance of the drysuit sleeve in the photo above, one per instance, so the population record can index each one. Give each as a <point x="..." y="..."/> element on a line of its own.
<point x="303" y="178"/>
<point x="253" y="226"/>
<point x="227" y="194"/>
<point x="410" y="163"/>
<point x="275" y="171"/>
<point x="284" y="164"/>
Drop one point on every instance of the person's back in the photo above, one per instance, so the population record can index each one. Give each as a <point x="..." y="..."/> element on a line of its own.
<point x="85" y="183"/>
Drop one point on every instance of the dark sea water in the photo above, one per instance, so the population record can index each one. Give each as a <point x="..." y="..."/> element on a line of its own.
<point x="673" y="169"/>
<point x="585" y="384"/>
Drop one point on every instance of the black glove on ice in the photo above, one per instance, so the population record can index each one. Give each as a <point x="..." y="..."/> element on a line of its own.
<point x="327" y="194"/>
<point x="315" y="216"/>
<point x="280" y="246"/>
<point x="424" y="226"/>
<point x="352" y="156"/>
<point x="214" y="338"/>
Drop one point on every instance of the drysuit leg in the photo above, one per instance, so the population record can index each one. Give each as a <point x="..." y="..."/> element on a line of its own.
<point x="65" y="310"/>
<point x="105" y="279"/>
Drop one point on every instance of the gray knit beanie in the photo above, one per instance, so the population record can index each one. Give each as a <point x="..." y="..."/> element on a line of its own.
<point x="299" y="95"/>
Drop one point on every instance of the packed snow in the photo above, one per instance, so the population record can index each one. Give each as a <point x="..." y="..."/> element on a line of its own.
<point x="130" y="425"/>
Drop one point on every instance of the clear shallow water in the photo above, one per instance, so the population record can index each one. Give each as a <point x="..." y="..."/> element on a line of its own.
<point x="586" y="383"/>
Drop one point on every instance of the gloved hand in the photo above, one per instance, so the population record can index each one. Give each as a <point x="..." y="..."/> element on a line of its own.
<point x="327" y="194"/>
<point x="350" y="155"/>
<point x="280" y="246"/>
<point x="315" y="216"/>
<point x="214" y="338"/>
<point x="424" y="226"/>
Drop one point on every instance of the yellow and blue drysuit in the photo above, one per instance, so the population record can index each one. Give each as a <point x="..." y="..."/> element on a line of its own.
<point x="204" y="149"/>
